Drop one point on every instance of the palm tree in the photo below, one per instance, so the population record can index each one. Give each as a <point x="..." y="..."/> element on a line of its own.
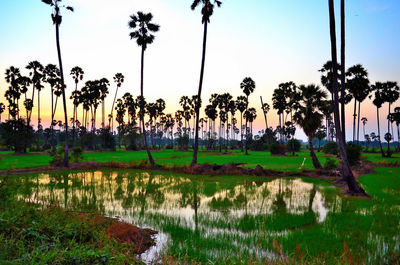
<point x="364" y="122"/>
<point x="103" y="87"/>
<point x="144" y="28"/>
<point x="347" y="174"/>
<point x="2" y="108"/>
<point x="265" y="108"/>
<point x="13" y="93"/>
<point x="358" y="86"/>
<point x="390" y="94"/>
<point x="378" y="102"/>
<point x="343" y="67"/>
<point x="396" y="118"/>
<point x="241" y="105"/>
<point x="118" y="79"/>
<point x="212" y="115"/>
<point x="309" y="114"/>
<point x="77" y="74"/>
<point x="248" y="86"/>
<point x="206" y="11"/>
<point x="320" y="135"/>
<point x="57" y="18"/>
<point x="37" y="76"/>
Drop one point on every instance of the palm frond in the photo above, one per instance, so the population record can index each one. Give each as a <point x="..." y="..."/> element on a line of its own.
<point x="195" y="4"/>
<point x="48" y="2"/>
<point x="70" y="8"/>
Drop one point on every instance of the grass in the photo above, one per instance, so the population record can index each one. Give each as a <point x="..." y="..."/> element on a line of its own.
<point x="171" y="158"/>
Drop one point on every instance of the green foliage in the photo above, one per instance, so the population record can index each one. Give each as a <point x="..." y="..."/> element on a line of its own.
<point x="277" y="149"/>
<point x="331" y="148"/>
<point x="293" y="145"/>
<point x="107" y="139"/>
<point x="330" y="163"/>
<point x="183" y="143"/>
<point x="15" y="134"/>
<point x="353" y="153"/>
<point x="30" y="235"/>
<point x="76" y="155"/>
<point x="57" y="156"/>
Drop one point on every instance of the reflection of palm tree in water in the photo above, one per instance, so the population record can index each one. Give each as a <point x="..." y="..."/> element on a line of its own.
<point x="66" y="190"/>
<point x="312" y="196"/>
<point x="279" y="204"/>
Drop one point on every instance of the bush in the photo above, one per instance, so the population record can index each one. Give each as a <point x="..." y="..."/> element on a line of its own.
<point x="76" y="155"/>
<point x="277" y="149"/>
<point x="57" y="156"/>
<point x="330" y="163"/>
<point x="294" y="145"/>
<point x="353" y="153"/>
<point x="183" y="143"/>
<point x="331" y="148"/>
<point x="258" y="145"/>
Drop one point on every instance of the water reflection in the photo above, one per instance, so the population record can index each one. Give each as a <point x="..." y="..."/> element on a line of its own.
<point x="235" y="210"/>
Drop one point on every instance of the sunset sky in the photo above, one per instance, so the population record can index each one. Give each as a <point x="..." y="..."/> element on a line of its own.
<point x="272" y="41"/>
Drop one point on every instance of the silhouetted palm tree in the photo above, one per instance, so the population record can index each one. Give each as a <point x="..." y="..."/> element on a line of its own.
<point x="265" y="108"/>
<point x="358" y="86"/>
<point x="364" y="122"/>
<point x="206" y="11"/>
<point x="390" y="94"/>
<point x="378" y="102"/>
<point x="309" y="115"/>
<point x="57" y="18"/>
<point x="118" y="79"/>
<point x="2" y="108"/>
<point x="37" y="76"/>
<point x="241" y="104"/>
<point x="343" y="67"/>
<point x="248" y="86"/>
<point x="144" y="28"/>
<point x="77" y="74"/>
<point x="347" y="174"/>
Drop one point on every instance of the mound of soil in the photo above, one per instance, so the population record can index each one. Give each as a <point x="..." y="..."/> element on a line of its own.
<point x="123" y="232"/>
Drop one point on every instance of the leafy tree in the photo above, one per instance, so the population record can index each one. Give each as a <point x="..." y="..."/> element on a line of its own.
<point x="143" y="33"/>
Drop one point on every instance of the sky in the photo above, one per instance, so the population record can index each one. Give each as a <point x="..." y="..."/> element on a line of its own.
<point x="271" y="41"/>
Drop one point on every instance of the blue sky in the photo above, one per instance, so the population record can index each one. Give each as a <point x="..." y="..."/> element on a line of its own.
<point x="272" y="41"/>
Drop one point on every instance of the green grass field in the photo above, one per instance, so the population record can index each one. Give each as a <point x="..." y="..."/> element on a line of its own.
<point x="289" y="163"/>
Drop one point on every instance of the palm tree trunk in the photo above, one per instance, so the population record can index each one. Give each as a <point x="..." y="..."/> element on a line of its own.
<point x="398" y="137"/>
<point x="379" y="132"/>
<point x="151" y="160"/>
<point x="63" y="94"/>
<point x="38" y="109"/>
<point x="246" y="152"/>
<point x="354" y="119"/>
<point x="358" y="122"/>
<point x="111" y="119"/>
<point x="347" y="174"/>
<point x="388" y="142"/>
<point x="203" y="59"/>
<point x="241" y="131"/>
<point x="343" y="66"/>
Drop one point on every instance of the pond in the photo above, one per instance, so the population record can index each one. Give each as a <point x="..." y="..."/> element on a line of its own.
<point x="224" y="219"/>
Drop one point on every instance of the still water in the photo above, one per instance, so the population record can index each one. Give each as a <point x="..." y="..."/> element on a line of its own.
<point x="198" y="218"/>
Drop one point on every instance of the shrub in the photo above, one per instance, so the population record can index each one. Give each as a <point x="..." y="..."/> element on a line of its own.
<point x="331" y="148"/>
<point x="57" y="156"/>
<point x="76" y="155"/>
<point x="277" y="149"/>
<point x="330" y="163"/>
<point x="183" y="143"/>
<point x="353" y="153"/>
<point x="293" y="145"/>
<point x="258" y="145"/>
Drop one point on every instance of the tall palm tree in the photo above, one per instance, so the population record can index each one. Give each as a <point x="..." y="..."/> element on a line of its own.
<point x="241" y="104"/>
<point x="364" y="122"/>
<point x="358" y="86"/>
<point x="37" y="76"/>
<point x="118" y="79"/>
<point x="57" y="18"/>
<point x="206" y="11"/>
<point x="77" y="74"/>
<point x="2" y="108"/>
<point x="309" y="114"/>
<point x="265" y="108"/>
<point x="347" y="174"/>
<point x="103" y="87"/>
<point x="378" y="101"/>
<point x="12" y="76"/>
<point x="143" y="29"/>
<point x="396" y="118"/>
<point x="248" y="86"/>
<point x="343" y="66"/>
<point x="390" y="94"/>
